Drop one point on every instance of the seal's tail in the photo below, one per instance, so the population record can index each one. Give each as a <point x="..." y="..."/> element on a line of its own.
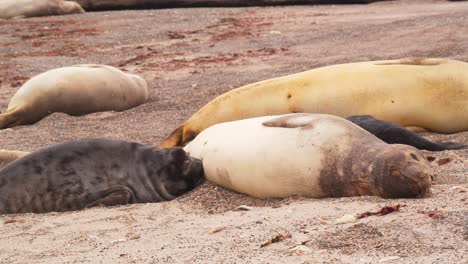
<point x="174" y="139"/>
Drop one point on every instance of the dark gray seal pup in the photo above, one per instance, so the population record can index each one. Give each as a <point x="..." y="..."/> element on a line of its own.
<point x="393" y="133"/>
<point x="93" y="172"/>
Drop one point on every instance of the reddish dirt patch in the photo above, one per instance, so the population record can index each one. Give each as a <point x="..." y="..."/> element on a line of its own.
<point x="69" y="49"/>
<point x="232" y="28"/>
<point x="205" y="62"/>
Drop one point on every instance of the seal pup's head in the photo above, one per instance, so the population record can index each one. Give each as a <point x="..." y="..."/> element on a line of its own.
<point x="404" y="172"/>
<point x="175" y="172"/>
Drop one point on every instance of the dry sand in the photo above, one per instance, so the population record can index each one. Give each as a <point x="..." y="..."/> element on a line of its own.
<point x="189" y="56"/>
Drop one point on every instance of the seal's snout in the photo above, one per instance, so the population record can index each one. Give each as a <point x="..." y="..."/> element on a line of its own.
<point x="408" y="175"/>
<point x="193" y="170"/>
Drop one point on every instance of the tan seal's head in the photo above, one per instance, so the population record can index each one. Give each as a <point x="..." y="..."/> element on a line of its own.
<point x="405" y="173"/>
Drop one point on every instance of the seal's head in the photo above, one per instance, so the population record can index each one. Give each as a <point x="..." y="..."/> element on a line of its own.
<point x="405" y="173"/>
<point x="180" y="173"/>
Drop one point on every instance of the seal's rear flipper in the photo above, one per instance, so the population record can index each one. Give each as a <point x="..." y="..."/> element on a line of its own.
<point x="174" y="139"/>
<point x="117" y="195"/>
<point x="6" y="120"/>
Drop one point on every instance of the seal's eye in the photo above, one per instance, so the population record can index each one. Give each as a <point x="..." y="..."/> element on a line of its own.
<point x="414" y="156"/>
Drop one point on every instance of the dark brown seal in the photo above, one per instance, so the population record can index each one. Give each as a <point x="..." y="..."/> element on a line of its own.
<point x="91" y="172"/>
<point x="141" y="4"/>
<point x="393" y="133"/>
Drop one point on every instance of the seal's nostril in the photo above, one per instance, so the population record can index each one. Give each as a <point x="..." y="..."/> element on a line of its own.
<point x="414" y="156"/>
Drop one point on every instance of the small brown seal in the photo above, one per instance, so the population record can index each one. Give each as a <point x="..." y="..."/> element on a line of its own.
<point x="393" y="133"/>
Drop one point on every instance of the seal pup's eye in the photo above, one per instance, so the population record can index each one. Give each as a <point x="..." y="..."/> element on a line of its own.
<point x="414" y="156"/>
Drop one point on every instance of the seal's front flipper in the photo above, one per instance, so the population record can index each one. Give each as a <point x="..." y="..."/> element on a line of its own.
<point x="416" y="129"/>
<point x="290" y="121"/>
<point x="117" y="195"/>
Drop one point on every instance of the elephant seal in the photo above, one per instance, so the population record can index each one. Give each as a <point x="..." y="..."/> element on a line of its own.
<point x="91" y="172"/>
<point x="74" y="90"/>
<point x="7" y="156"/>
<point x="393" y="133"/>
<point x="427" y="93"/>
<point x="33" y="8"/>
<point x="314" y="155"/>
<point x="139" y="4"/>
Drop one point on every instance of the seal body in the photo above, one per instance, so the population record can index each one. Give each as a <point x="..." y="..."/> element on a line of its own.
<point x="314" y="155"/>
<point x="7" y="156"/>
<point x="91" y="172"/>
<point x="393" y="133"/>
<point x="423" y="93"/>
<point x="34" y="8"/>
<point x="74" y="90"/>
<point x="138" y="4"/>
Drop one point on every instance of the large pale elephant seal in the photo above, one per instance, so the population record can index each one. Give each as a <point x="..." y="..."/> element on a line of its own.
<point x="419" y="93"/>
<point x="7" y="156"/>
<point x="314" y="155"/>
<point x="393" y="133"/>
<point x="34" y="8"/>
<point x="91" y="172"/>
<point x="74" y="90"/>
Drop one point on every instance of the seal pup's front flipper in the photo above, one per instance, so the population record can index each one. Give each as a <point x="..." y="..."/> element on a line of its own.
<point x="117" y="195"/>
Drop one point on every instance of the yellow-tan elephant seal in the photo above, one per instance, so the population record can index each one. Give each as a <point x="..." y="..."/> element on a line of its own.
<point x="74" y="90"/>
<point x="427" y="93"/>
<point x="314" y="155"/>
